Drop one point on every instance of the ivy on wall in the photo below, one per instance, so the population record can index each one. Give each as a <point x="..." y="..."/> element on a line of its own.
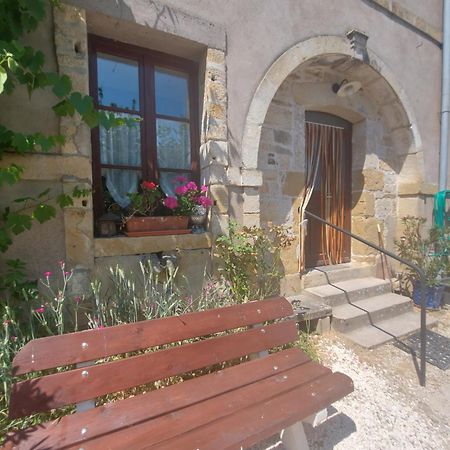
<point x="22" y="65"/>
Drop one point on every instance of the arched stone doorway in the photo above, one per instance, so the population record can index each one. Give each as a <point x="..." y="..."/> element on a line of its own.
<point x="385" y="140"/>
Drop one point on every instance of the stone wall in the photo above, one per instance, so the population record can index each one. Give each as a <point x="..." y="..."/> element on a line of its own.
<point x="70" y="236"/>
<point x="282" y="163"/>
<point x="381" y="150"/>
<point x="392" y="138"/>
<point x="214" y="157"/>
<point x="192" y="266"/>
<point x="26" y="114"/>
<point x="72" y="57"/>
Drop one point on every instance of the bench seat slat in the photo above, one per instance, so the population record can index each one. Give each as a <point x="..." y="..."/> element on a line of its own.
<point x="107" y="418"/>
<point x="56" y="390"/>
<point x="56" y="351"/>
<point x="250" y="425"/>
<point x="189" y="418"/>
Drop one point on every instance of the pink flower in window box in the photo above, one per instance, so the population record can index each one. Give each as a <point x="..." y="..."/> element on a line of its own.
<point x="170" y="202"/>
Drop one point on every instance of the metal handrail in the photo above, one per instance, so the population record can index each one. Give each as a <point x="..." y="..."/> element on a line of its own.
<point x="423" y="310"/>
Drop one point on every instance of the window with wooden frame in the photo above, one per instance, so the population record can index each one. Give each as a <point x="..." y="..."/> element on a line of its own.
<point x="161" y="91"/>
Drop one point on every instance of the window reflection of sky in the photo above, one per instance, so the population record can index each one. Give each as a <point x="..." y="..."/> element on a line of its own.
<point x="118" y="82"/>
<point x="171" y="93"/>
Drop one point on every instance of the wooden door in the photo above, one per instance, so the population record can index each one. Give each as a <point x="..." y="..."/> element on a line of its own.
<point x="331" y="197"/>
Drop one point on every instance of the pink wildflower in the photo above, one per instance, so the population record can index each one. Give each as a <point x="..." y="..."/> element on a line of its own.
<point x="13" y="338"/>
<point x="191" y="186"/>
<point x="47" y="274"/>
<point x="180" y="179"/>
<point x="204" y="188"/>
<point x="170" y="202"/>
<point x="77" y="300"/>
<point x="181" y="190"/>
<point x="7" y="322"/>
<point x="62" y="264"/>
<point x="41" y="309"/>
<point x="67" y="274"/>
<point x="204" y="201"/>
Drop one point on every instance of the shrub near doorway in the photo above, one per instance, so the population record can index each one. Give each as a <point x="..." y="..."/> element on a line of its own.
<point x="251" y="261"/>
<point x="428" y="251"/>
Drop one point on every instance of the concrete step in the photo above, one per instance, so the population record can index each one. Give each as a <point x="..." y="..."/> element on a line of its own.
<point x="334" y="274"/>
<point x="364" y="312"/>
<point x="349" y="291"/>
<point x="386" y="330"/>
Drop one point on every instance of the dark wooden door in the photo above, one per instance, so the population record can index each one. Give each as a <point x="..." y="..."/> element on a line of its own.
<point x="331" y="196"/>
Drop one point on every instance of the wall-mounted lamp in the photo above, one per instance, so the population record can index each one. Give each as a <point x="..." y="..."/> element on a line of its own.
<point x="346" y="88"/>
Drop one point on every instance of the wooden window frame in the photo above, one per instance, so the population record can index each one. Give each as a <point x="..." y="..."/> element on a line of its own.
<point x="147" y="60"/>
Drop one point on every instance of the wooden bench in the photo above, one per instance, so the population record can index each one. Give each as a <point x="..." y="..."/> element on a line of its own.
<point x="229" y="408"/>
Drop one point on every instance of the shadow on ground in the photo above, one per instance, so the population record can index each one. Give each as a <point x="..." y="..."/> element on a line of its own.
<point x="328" y="434"/>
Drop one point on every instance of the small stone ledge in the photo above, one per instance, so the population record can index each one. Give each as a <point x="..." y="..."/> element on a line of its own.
<point x="307" y="309"/>
<point x="119" y="246"/>
<point x="406" y="189"/>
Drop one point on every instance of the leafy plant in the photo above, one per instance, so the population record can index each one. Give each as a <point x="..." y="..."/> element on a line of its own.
<point x="250" y="259"/>
<point x="54" y="311"/>
<point x="22" y="65"/>
<point x="428" y="250"/>
<point x="144" y="202"/>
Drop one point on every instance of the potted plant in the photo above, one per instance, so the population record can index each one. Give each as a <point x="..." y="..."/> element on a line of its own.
<point x="190" y="201"/>
<point x="142" y="222"/>
<point x="429" y="251"/>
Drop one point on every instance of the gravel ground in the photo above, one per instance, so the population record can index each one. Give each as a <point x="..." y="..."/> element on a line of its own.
<point x="388" y="408"/>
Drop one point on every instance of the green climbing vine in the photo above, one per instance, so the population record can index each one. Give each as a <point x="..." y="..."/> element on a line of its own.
<point x="22" y="65"/>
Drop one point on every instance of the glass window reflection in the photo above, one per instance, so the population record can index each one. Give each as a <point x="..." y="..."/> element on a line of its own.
<point x="118" y="82"/>
<point x="171" y="93"/>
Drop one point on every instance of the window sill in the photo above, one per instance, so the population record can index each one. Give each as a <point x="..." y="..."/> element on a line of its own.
<point x="119" y="246"/>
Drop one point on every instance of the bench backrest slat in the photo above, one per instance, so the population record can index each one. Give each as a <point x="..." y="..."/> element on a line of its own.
<point x="56" y="351"/>
<point x="107" y="419"/>
<point x="56" y="390"/>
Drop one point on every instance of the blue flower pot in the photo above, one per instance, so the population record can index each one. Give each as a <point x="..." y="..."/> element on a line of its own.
<point x="433" y="295"/>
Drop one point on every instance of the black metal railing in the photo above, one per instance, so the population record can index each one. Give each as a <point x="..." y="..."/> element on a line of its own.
<point x="421" y="273"/>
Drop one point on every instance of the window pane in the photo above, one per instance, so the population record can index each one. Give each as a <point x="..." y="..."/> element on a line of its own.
<point x="168" y="181"/>
<point x="118" y="82"/>
<point x="172" y="98"/>
<point x="121" y="145"/>
<point x="117" y="183"/>
<point x="174" y="146"/>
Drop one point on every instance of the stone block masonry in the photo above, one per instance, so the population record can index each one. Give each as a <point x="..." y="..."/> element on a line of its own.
<point x="374" y="177"/>
<point x="214" y="157"/>
<point x="72" y="59"/>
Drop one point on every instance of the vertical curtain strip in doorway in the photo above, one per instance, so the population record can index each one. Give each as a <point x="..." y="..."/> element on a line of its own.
<point x="324" y="155"/>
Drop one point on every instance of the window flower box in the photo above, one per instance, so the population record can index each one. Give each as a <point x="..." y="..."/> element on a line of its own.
<point x="156" y="225"/>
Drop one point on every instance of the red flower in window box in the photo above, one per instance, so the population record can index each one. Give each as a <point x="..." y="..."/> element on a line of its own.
<point x="145" y="202"/>
<point x="149" y="185"/>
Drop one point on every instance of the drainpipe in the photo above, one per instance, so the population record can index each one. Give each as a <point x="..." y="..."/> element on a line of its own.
<point x="445" y="99"/>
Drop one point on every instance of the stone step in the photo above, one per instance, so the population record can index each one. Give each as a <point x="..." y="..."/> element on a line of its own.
<point x="344" y="292"/>
<point x="364" y="312"/>
<point x="307" y="308"/>
<point x="333" y="274"/>
<point x="386" y="330"/>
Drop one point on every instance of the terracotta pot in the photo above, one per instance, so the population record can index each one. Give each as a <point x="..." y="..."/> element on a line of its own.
<point x="157" y="223"/>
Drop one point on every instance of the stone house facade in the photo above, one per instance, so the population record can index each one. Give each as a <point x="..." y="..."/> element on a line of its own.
<point x="263" y="65"/>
